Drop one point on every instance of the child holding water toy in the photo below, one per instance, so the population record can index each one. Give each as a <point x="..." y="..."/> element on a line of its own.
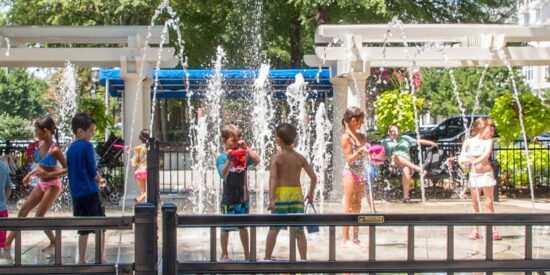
<point x="355" y="154"/>
<point x="48" y="155"/>
<point x="285" y="189"/>
<point x="376" y="158"/>
<point x="232" y="165"/>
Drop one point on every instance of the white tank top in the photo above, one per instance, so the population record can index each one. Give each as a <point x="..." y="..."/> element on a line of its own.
<point x="476" y="147"/>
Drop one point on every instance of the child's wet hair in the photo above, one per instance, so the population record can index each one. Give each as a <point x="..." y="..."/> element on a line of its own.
<point x="287" y="133"/>
<point x="81" y="121"/>
<point x="230" y="130"/>
<point x="144" y="135"/>
<point x="47" y="122"/>
<point x="352" y="112"/>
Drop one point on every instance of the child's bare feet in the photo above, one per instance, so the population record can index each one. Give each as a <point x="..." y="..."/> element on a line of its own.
<point x="49" y="248"/>
<point x="345" y="242"/>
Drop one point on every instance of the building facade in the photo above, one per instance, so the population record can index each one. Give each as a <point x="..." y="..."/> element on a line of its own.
<point x="532" y="13"/>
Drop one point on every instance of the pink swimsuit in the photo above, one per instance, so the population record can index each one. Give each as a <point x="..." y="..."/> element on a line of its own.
<point x="48" y="161"/>
<point x="46" y="184"/>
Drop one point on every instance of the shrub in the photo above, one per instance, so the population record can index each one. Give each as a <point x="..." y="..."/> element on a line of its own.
<point x="15" y="127"/>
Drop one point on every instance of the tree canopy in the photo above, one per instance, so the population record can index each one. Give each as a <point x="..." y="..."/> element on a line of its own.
<point x="438" y="89"/>
<point x="278" y="30"/>
<point x="22" y="94"/>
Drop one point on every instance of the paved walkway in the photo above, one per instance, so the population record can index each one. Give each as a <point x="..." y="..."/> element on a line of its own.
<point x="193" y="244"/>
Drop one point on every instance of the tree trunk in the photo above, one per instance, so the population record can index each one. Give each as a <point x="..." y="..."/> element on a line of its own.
<point x="323" y="15"/>
<point x="296" y="54"/>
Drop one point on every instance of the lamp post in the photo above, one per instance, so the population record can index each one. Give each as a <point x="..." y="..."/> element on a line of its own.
<point x="94" y="75"/>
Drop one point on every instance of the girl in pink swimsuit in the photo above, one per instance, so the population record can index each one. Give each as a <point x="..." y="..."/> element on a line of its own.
<point x="139" y="161"/>
<point x="48" y="155"/>
<point x="355" y="155"/>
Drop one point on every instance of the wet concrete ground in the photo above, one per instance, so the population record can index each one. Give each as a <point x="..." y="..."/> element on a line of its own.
<point x="391" y="242"/>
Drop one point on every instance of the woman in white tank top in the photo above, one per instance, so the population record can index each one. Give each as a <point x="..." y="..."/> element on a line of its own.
<point x="475" y="155"/>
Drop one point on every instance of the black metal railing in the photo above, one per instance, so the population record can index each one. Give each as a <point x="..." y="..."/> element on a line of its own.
<point x="172" y="221"/>
<point x="97" y="224"/>
<point x="176" y="174"/>
<point x="145" y="235"/>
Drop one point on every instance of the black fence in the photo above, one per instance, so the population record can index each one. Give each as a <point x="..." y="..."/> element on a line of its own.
<point x="143" y="223"/>
<point x="177" y="175"/>
<point x="171" y="221"/>
<point x="19" y="156"/>
<point x="146" y="235"/>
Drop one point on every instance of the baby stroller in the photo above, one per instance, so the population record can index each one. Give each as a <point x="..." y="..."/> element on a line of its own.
<point x="111" y="152"/>
<point x="110" y="163"/>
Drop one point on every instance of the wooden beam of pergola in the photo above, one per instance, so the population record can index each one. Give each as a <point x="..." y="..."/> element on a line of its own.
<point x="356" y="48"/>
<point x="82" y="57"/>
<point x="124" y="46"/>
<point x="432" y="57"/>
<point x="19" y="36"/>
<point x="377" y="33"/>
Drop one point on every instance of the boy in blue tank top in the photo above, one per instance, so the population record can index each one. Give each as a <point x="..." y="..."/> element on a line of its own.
<point x="83" y="178"/>
<point x="232" y="165"/>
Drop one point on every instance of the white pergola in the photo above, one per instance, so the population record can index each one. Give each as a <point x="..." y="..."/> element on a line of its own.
<point x="352" y="50"/>
<point x="126" y="51"/>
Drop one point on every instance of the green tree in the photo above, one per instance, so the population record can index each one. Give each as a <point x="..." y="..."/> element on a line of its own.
<point x="14" y="127"/>
<point x="286" y="27"/>
<point x="451" y="11"/>
<point x="96" y="108"/>
<point x="505" y="113"/>
<point x="437" y="88"/>
<point x="396" y="107"/>
<point x="22" y="94"/>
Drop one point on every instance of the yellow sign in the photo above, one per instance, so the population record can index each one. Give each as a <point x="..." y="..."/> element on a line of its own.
<point x="370" y="219"/>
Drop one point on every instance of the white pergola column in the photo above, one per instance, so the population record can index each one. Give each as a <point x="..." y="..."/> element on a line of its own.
<point x="348" y="91"/>
<point x="136" y="114"/>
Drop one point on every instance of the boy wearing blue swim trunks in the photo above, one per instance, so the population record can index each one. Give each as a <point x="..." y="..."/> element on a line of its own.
<point x="232" y="165"/>
<point x="285" y="189"/>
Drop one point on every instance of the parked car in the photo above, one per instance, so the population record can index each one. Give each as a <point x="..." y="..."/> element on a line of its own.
<point x="451" y="129"/>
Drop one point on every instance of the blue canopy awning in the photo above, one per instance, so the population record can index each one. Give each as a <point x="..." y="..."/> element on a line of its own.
<point x="237" y="83"/>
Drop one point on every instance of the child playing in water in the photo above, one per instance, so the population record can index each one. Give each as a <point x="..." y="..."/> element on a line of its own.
<point x="83" y="178"/>
<point x="285" y="191"/>
<point x="48" y="155"/>
<point x="475" y="155"/>
<point x="232" y="165"/>
<point x="139" y="161"/>
<point x="355" y="154"/>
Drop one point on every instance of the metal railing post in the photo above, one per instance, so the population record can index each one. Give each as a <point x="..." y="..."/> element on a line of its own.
<point x="496" y="171"/>
<point x="153" y="195"/>
<point x="145" y="250"/>
<point x="169" y="238"/>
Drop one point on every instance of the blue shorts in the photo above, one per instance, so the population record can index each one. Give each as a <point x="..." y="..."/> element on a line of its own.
<point x="234" y="209"/>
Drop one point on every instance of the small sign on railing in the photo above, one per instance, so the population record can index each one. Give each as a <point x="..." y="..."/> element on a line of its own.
<point x="370" y="219"/>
